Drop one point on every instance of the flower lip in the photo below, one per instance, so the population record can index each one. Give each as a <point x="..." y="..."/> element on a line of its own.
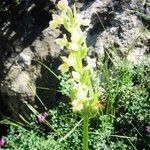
<point x="97" y="105"/>
<point x="76" y="75"/>
<point x="77" y="104"/>
<point x="74" y="46"/>
<point x="91" y="62"/>
<point x="68" y="62"/>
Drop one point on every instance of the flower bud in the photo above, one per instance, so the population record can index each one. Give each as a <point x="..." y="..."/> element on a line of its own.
<point x="148" y="129"/>
<point x="41" y="117"/>
<point x="62" y="5"/>
<point x="2" y="142"/>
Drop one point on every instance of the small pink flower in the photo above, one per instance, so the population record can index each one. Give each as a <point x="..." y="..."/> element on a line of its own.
<point x="41" y="117"/>
<point x="148" y="129"/>
<point x="2" y="142"/>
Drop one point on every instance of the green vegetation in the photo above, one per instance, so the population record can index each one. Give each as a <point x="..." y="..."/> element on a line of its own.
<point x="109" y="106"/>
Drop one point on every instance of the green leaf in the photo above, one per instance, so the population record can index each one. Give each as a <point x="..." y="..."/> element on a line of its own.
<point x="83" y="51"/>
<point x="65" y="23"/>
<point x="71" y="17"/>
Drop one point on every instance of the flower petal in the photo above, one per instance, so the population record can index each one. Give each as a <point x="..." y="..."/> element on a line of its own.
<point x="63" y="67"/>
<point x="62" y="5"/>
<point x="73" y="46"/>
<point x="71" y="60"/>
<point x="96" y="106"/>
<point x="86" y="22"/>
<point x="61" y="42"/>
<point x="91" y="62"/>
<point x="75" y="75"/>
<point x="77" y="104"/>
<point x="53" y="24"/>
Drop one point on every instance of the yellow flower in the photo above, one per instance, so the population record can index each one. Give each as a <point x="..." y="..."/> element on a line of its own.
<point x="78" y="104"/>
<point x="57" y="18"/>
<point x="56" y="21"/>
<point x="76" y="35"/>
<point x="62" y="42"/>
<point x="76" y="75"/>
<point x="96" y="106"/>
<point x="70" y="61"/>
<point x="53" y="24"/>
<point x="74" y="46"/>
<point x="91" y="63"/>
<point x="63" y="67"/>
<point x="62" y="5"/>
<point x="81" y="90"/>
<point x="86" y="22"/>
<point x="80" y="21"/>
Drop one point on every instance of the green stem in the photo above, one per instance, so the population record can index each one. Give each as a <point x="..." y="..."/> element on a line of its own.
<point x="85" y="130"/>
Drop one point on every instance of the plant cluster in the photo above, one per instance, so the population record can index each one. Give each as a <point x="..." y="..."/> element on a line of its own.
<point x="82" y="93"/>
<point x="67" y="135"/>
<point x="85" y="99"/>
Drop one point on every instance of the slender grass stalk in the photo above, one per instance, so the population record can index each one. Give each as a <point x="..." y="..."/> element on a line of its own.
<point x="48" y="68"/>
<point x="85" y="130"/>
<point x="139" y="133"/>
<point x="69" y="133"/>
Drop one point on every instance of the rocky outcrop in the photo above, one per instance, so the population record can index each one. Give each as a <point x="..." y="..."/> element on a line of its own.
<point x="24" y="72"/>
<point x="24" y="42"/>
<point x="25" y="39"/>
<point x="116" y="27"/>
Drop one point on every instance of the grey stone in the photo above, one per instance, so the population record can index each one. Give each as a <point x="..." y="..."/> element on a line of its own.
<point x="115" y="26"/>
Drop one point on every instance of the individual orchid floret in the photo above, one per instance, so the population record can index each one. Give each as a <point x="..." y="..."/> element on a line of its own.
<point x="76" y="35"/>
<point x="73" y="46"/>
<point x="62" y="42"/>
<point x="91" y="63"/>
<point x="77" y="105"/>
<point x="85" y="22"/>
<point x="96" y="106"/>
<point x="68" y="62"/>
<point x="76" y="75"/>
<point x="80" y="21"/>
<point x="62" y="5"/>
<point x="81" y="91"/>
<point x="64" y="67"/>
<point x="57" y="20"/>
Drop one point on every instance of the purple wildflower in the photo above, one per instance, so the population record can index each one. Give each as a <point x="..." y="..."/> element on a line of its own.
<point x="41" y="117"/>
<point x="2" y="142"/>
<point x="148" y="129"/>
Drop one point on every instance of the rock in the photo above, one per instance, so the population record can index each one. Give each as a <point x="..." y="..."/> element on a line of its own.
<point x="24" y="42"/>
<point x="24" y="70"/>
<point x="45" y="44"/>
<point x="115" y="26"/>
<point x="24" y="58"/>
